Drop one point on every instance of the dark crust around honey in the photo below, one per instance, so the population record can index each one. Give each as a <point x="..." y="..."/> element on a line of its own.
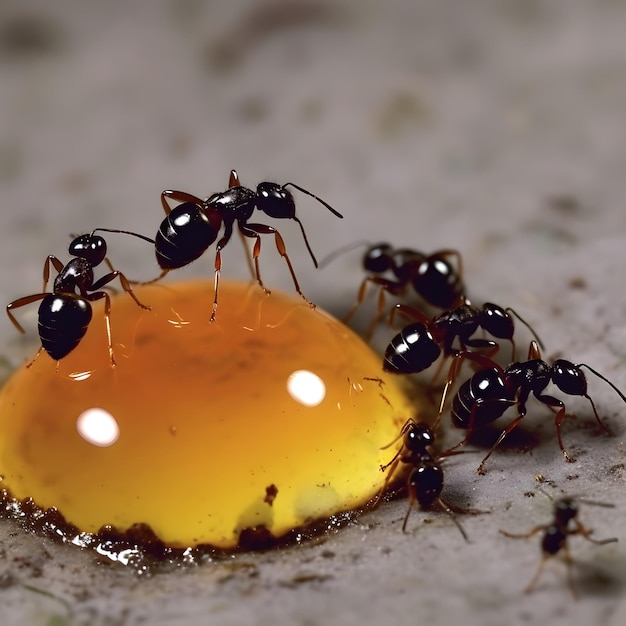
<point x="140" y="548"/>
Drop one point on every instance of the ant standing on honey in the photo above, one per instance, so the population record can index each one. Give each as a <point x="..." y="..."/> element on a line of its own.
<point x="425" y="480"/>
<point x="490" y="392"/>
<point x="65" y="312"/>
<point x="432" y="277"/>
<point x="555" y="534"/>
<point x="192" y="226"/>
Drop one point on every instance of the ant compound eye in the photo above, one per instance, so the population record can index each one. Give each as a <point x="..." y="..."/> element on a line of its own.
<point x="264" y="421"/>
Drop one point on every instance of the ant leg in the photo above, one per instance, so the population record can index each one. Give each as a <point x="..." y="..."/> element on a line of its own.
<point x="255" y="230"/>
<point x="595" y="412"/>
<point x="530" y="533"/>
<point x="151" y="281"/>
<point x="228" y="231"/>
<point x="488" y="348"/>
<point x="180" y="197"/>
<point x="216" y="282"/>
<point x="410" y="422"/>
<point x="125" y="285"/>
<point x="385" y="285"/>
<point x="409" y="313"/>
<point x="58" y="266"/>
<point x="450" y="511"/>
<point x="391" y="466"/>
<point x="412" y="501"/>
<point x="499" y="440"/>
<point x="587" y="532"/>
<point x="533" y="581"/>
<point x="256" y="253"/>
<point x="244" y="243"/>
<point x="569" y="563"/>
<point x="98" y="295"/>
<point x="16" y="304"/>
<point x="557" y="407"/>
<point x="28" y="365"/>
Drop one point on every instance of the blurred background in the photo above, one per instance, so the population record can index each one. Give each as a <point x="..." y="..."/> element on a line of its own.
<point x="494" y="127"/>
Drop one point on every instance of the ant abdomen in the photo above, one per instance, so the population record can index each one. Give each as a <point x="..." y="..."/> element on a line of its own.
<point x="62" y="323"/>
<point x="481" y="399"/>
<point x="184" y="235"/>
<point x="412" y="350"/>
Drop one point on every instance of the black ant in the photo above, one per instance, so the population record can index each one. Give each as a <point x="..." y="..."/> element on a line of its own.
<point x="491" y="391"/>
<point x="432" y="277"/>
<point x="65" y="312"/>
<point x="564" y="524"/>
<point x="417" y="346"/>
<point x="425" y="480"/>
<point x="192" y="226"/>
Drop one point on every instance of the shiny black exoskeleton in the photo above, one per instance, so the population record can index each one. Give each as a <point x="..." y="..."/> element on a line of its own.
<point x="432" y="276"/>
<point x="417" y="346"/>
<point x="555" y="534"/>
<point x="425" y="480"/>
<point x="192" y="226"/>
<point x="65" y="312"/>
<point x="490" y="392"/>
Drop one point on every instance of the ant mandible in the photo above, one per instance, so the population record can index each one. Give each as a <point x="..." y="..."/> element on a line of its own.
<point x="490" y="392"/>
<point x="65" y="312"/>
<point x="192" y="226"/>
<point x="425" y="480"/>
<point x="432" y="277"/>
<point x="555" y="534"/>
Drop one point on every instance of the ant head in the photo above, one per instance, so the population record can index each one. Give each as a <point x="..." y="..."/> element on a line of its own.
<point x="418" y="436"/>
<point x="565" y="509"/>
<point x="90" y="247"/>
<point x="497" y="321"/>
<point x="274" y="200"/>
<point x="378" y="258"/>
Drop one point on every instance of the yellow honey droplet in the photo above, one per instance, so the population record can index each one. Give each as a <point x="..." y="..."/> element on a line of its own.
<point x="273" y="416"/>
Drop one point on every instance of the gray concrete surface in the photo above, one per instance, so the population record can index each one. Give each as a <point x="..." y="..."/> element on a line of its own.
<point x="493" y="127"/>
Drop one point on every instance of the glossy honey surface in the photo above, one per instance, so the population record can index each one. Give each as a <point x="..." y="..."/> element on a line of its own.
<point x="267" y="417"/>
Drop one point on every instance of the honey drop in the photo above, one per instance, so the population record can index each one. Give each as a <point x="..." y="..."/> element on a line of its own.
<point x="271" y="417"/>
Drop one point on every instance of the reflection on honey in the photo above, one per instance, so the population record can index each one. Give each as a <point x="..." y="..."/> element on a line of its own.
<point x="264" y="418"/>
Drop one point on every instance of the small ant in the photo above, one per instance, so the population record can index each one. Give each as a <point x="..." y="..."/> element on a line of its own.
<point x="432" y="277"/>
<point x="425" y="480"/>
<point x="490" y="392"/>
<point x="555" y="537"/>
<point x="192" y="226"/>
<point x="65" y="312"/>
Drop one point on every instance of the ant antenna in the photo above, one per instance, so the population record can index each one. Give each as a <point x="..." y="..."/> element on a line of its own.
<point x="306" y="241"/>
<point x="530" y="328"/>
<point x="606" y="380"/>
<point x="125" y="232"/>
<point x="308" y="193"/>
<point x="329" y="258"/>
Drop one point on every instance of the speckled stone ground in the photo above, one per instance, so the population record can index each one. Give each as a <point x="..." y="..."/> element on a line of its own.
<point x="496" y="128"/>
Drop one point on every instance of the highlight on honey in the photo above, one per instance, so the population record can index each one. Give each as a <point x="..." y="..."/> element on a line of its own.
<point x="269" y="419"/>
